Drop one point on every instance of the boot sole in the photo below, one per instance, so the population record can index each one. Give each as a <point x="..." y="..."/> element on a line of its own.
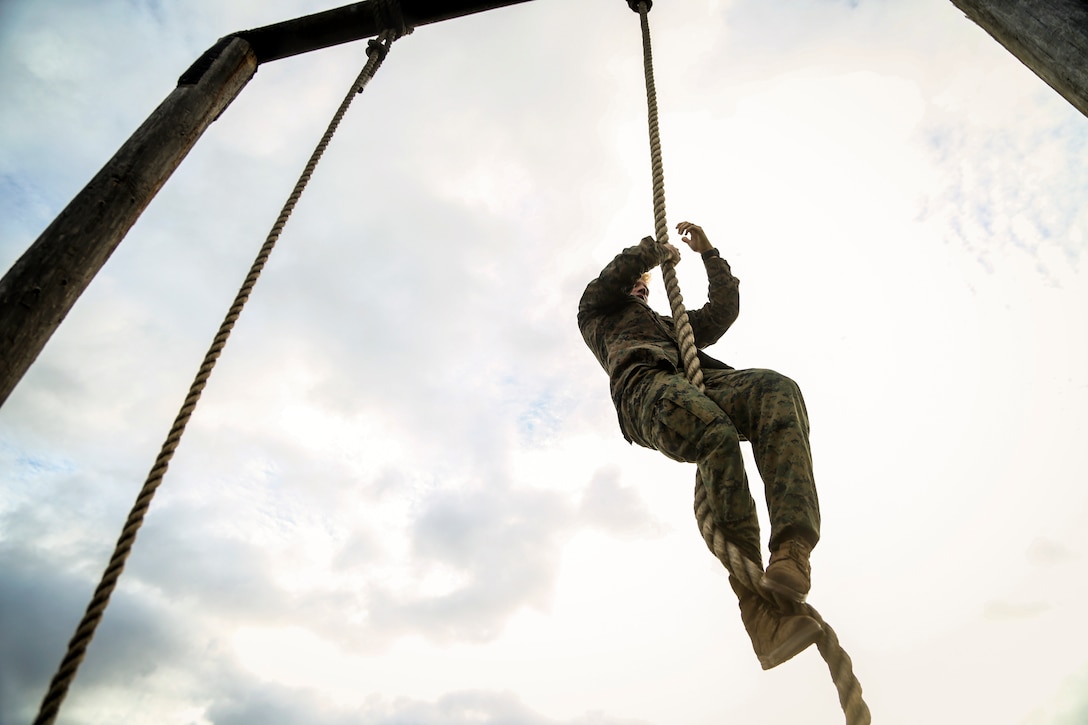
<point x="793" y="646"/>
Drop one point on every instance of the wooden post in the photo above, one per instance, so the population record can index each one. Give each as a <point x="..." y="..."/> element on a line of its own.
<point x="1048" y="36"/>
<point x="41" y="287"/>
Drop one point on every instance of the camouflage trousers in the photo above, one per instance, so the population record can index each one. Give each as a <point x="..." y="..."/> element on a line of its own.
<point x="663" y="411"/>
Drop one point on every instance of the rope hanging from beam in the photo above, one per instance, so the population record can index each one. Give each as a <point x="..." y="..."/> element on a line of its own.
<point x="377" y="50"/>
<point x="747" y="572"/>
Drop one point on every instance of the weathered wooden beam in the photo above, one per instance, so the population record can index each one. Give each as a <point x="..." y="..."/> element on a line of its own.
<point x="1048" y="36"/>
<point x="355" y="22"/>
<point x="43" y="285"/>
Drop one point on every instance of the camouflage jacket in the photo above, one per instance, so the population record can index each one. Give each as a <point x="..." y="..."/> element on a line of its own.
<point x="627" y="335"/>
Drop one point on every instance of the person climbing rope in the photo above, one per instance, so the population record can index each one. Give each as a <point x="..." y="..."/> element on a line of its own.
<point x="660" y="409"/>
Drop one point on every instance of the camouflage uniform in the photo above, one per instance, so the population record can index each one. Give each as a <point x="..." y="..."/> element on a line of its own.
<point x="658" y="408"/>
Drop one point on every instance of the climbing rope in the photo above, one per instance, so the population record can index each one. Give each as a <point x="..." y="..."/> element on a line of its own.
<point x="746" y="571"/>
<point x="688" y="350"/>
<point x="377" y="49"/>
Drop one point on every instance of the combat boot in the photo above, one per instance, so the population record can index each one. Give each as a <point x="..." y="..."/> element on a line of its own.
<point x="776" y="637"/>
<point x="788" y="575"/>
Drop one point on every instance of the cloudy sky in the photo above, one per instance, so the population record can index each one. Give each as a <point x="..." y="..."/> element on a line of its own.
<point x="404" y="498"/>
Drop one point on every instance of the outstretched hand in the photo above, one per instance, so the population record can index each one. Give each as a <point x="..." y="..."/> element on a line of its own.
<point x="694" y="237"/>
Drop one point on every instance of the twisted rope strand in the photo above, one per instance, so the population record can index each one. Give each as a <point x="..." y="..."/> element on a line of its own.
<point x="77" y="647"/>
<point x="748" y="572"/>
<point x="688" y="351"/>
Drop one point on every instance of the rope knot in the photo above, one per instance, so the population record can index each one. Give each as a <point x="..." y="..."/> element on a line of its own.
<point x="376" y="47"/>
